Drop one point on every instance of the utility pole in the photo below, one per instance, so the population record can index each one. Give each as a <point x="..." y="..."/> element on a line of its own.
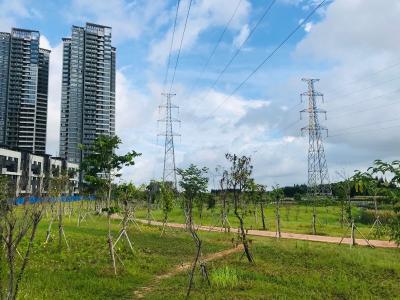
<point x="318" y="176"/>
<point x="169" y="171"/>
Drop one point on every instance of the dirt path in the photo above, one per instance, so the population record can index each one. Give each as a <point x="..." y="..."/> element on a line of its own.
<point x="141" y="292"/>
<point x="287" y="235"/>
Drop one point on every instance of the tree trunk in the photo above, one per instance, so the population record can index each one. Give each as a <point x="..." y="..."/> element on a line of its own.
<point x="110" y="241"/>
<point x="26" y="258"/>
<point x="314" y="219"/>
<point x="60" y="226"/>
<point x="278" y="219"/>
<point x="10" y="260"/>
<point x="243" y="232"/>
<point x="198" y="247"/>
<point x="262" y="215"/>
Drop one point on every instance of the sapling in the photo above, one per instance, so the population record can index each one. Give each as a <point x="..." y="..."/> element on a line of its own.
<point x="102" y="166"/>
<point x="238" y="181"/>
<point x="167" y="196"/>
<point x="193" y="183"/>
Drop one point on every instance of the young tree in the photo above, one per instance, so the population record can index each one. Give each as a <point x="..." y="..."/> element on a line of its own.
<point x="257" y="194"/>
<point x="393" y="169"/>
<point x="101" y="166"/>
<point x="152" y="191"/>
<point x="59" y="186"/>
<point x="224" y="195"/>
<point x="194" y="183"/>
<point x="238" y="181"/>
<point x="167" y="196"/>
<point x="277" y="196"/>
<point x="15" y="225"/>
<point x="127" y="194"/>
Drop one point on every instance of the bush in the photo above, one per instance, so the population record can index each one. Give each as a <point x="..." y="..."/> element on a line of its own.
<point x="367" y="216"/>
<point x="112" y="210"/>
<point x="224" y="278"/>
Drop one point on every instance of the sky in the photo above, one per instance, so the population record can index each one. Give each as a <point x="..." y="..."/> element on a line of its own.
<point x="352" y="46"/>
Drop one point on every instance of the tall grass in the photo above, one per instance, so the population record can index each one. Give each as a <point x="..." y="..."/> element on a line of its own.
<point x="224" y="277"/>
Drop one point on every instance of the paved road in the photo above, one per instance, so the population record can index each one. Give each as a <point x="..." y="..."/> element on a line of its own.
<point x="287" y="235"/>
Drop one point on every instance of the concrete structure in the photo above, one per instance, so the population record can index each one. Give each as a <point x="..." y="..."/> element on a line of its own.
<point x="29" y="173"/>
<point x="24" y="74"/>
<point x="88" y="89"/>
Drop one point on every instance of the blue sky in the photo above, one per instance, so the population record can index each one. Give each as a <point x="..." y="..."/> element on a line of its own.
<point x="351" y="45"/>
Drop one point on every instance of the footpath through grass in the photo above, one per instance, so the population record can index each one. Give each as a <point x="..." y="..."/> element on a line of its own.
<point x="295" y="270"/>
<point x="85" y="272"/>
<point x="286" y="269"/>
<point x="294" y="218"/>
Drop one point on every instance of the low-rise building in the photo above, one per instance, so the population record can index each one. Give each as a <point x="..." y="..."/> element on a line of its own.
<point x="29" y="173"/>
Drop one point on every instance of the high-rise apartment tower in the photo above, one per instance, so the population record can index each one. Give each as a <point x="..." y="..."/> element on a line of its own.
<point x="24" y="78"/>
<point x="88" y="89"/>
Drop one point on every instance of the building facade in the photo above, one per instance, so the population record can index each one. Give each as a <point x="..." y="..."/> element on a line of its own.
<point x="88" y="89"/>
<point x="29" y="173"/>
<point x="24" y="77"/>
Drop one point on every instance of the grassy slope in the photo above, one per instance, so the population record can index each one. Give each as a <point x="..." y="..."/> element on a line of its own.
<point x="294" y="218"/>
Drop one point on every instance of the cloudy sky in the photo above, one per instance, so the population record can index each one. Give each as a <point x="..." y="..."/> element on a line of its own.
<point x="353" y="46"/>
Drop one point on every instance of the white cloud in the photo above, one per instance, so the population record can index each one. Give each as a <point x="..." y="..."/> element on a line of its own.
<point x="357" y="91"/>
<point x="204" y="14"/>
<point x="12" y="11"/>
<point x="54" y="97"/>
<point x="242" y="36"/>
<point x="129" y="20"/>
<point x="308" y="26"/>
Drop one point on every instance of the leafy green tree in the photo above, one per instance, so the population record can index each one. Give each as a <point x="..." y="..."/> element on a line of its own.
<point x="257" y="195"/>
<point x="193" y="183"/>
<point x="238" y="181"/>
<point x="392" y="169"/>
<point x="127" y="193"/>
<point x="167" y="196"/>
<point x="101" y="166"/>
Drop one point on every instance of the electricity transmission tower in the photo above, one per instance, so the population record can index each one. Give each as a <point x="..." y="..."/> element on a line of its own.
<point x="169" y="171"/>
<point x="318" y="176"/>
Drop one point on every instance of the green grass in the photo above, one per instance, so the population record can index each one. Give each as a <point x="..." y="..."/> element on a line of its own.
<point x="294" y="218"/>
<point x="283" y="269"/>
<point x="297" y="270"/>
<point x="85" y="271"/>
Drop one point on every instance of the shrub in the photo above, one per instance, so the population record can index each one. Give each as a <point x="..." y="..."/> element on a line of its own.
<point x="112" y="210"/>
<point x="224" y="278"/>
<point x="367" y="216"/>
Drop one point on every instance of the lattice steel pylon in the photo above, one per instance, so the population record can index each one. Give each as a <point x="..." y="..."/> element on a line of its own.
<point x="169" y="171"/>
<point x="318" y="176"/>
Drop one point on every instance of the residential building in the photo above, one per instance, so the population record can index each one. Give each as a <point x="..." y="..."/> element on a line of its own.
<point x="29" y="173"/>
<point x="24" y="78"/>
<point x="88" y="89"/>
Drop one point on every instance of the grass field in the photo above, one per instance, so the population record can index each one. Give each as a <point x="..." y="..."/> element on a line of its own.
<point x="286" y="269"/>
<point x="294" y="218"/>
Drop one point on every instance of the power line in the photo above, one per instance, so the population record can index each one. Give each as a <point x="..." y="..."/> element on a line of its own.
<point x="366" y="100"/>
<point x="368" y="124"/>
<point x="268" y="8"/>
<point x="367" y="109"/>
<point x="216" y="45"/>
<point x="367" y="88"/>
<point x="221" y="36"/>
<point x="368" y="76"/>
<point x="180" y="46"/>
<point x="362" y="131"/>
<point x="172" y="43"/>
<point x="301" y="24"/>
